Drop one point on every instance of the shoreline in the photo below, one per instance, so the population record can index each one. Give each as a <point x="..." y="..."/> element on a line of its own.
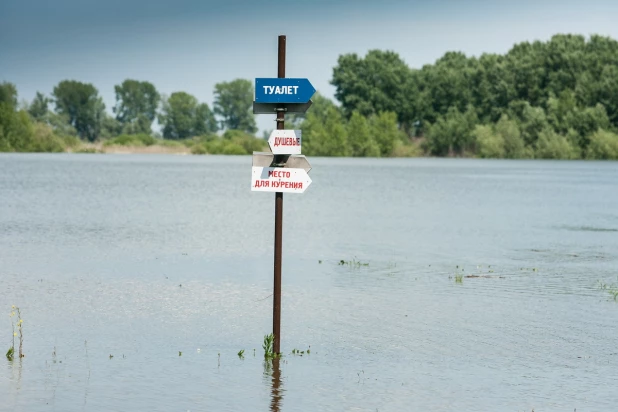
<point x="121" y="149"/>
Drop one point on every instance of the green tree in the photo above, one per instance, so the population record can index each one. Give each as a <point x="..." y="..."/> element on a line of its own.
<point x="568" y="84"/>
<point x="60" y="124"/>
<point x="111" y="127"/>
<point x="492" y="87"/>
<point x="182" y="117"/>
<point x="319" y="107"/>
<point x="526" y="65"/>
<point x="325" y="137"/>
<point x="15" y="128"/>
<point x="532" y="120"/>
<point x="81" y="103"/>
<point x="452" y="134"/>
<point x="379" y="82"/>
<point x="588" y="121"/>
<point x="8" y="94"/>
<point x="600" y="86"/>
<point x="446" y="85"/>
<point x="359" y="132"/>
<point x="234" y="104"/>
<point x="205" y="122"/>
<point x="565" y="61"/>
<point x="39" y="108"/>
<point x="385" y="132"/>
<point x="136" y="105"/>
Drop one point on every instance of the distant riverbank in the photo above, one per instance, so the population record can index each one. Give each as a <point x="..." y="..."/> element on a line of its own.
<point x="131" y="149"/>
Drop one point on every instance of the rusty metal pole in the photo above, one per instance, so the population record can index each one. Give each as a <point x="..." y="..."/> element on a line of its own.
<point x="278" y="220"/>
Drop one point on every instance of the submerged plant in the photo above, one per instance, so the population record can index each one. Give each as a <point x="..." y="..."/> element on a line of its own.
<point x="458" y="278"/>
<point x="301" y="352"/>
<point x="19" y="325"/>
<point x="352" y="263"/>
<point x="267" y="345"/>
<point x="611" y="289"/>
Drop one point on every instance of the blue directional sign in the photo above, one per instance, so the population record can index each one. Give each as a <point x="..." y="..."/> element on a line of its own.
<point x="285" y="90"/>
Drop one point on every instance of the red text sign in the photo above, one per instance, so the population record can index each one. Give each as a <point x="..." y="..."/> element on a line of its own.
<point x="285" y="141"/>
<point x="279" y="179"/>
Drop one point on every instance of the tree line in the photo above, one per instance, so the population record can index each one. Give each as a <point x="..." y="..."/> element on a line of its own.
<point x="76" y="111"/>
<point x="556" y="99"/>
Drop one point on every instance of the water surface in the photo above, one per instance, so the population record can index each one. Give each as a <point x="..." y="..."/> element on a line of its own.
<point x="143" y="257"/>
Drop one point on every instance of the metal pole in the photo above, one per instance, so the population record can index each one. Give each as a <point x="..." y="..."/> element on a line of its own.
<point x="278" y="221"/>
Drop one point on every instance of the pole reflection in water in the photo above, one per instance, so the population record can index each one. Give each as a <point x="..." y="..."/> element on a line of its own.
<point x="272" y="370"/>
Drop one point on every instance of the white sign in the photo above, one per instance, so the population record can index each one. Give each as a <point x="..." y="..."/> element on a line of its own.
<point x="279" y="179"/>
<point x="285" y="141"/>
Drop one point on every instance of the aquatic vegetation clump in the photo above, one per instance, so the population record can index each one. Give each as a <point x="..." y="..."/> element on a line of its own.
<point x="267" y="345"/>
<point x="352" y="263"/>
<point x="17" y="328"/>
<point x="301" y="352"/>
<point x="611" y="289"/>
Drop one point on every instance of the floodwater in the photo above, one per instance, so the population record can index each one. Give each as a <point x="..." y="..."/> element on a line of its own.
<point x="140" y="278"/>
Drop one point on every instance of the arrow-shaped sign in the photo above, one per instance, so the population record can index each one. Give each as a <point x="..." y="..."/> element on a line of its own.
<point x="266" y="159"/>
<point x="279" y="179"/>
<point x="283" y="90"/>
<point x="285" y="141"/>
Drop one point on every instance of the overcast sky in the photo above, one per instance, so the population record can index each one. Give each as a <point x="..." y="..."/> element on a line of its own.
<point x="190" y="45"/>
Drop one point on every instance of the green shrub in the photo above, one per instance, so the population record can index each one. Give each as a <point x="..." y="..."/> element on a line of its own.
<point x="44" y="140"/>
<point x="453" y="133"/>
<point x="171" y="143"/>
<point x="603" y="146"/>
<point x="384" y="131"/>
<point x="205" y="138"/>
<point x="131" y="140"/>
<point x="15" y="129"/>
<point x="199" y="149"/>
<point x="19" y="134"/>
<point x="214" y="146"/>
<point x="360" y="138"/>
<point x="488" y="143"/>
<point x="401" y="149"/>
<point x="86" y="150"/>
<point x="225" y="147"/>
<point x="235" y="134"/>
<point x="71" y="141"/>
<point x="551" y="145"/>
<point x="232" y="148"/>
<point x="514" y="146"/>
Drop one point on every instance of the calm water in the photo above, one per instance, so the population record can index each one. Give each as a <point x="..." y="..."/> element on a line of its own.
<point x="143" y="257"/>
